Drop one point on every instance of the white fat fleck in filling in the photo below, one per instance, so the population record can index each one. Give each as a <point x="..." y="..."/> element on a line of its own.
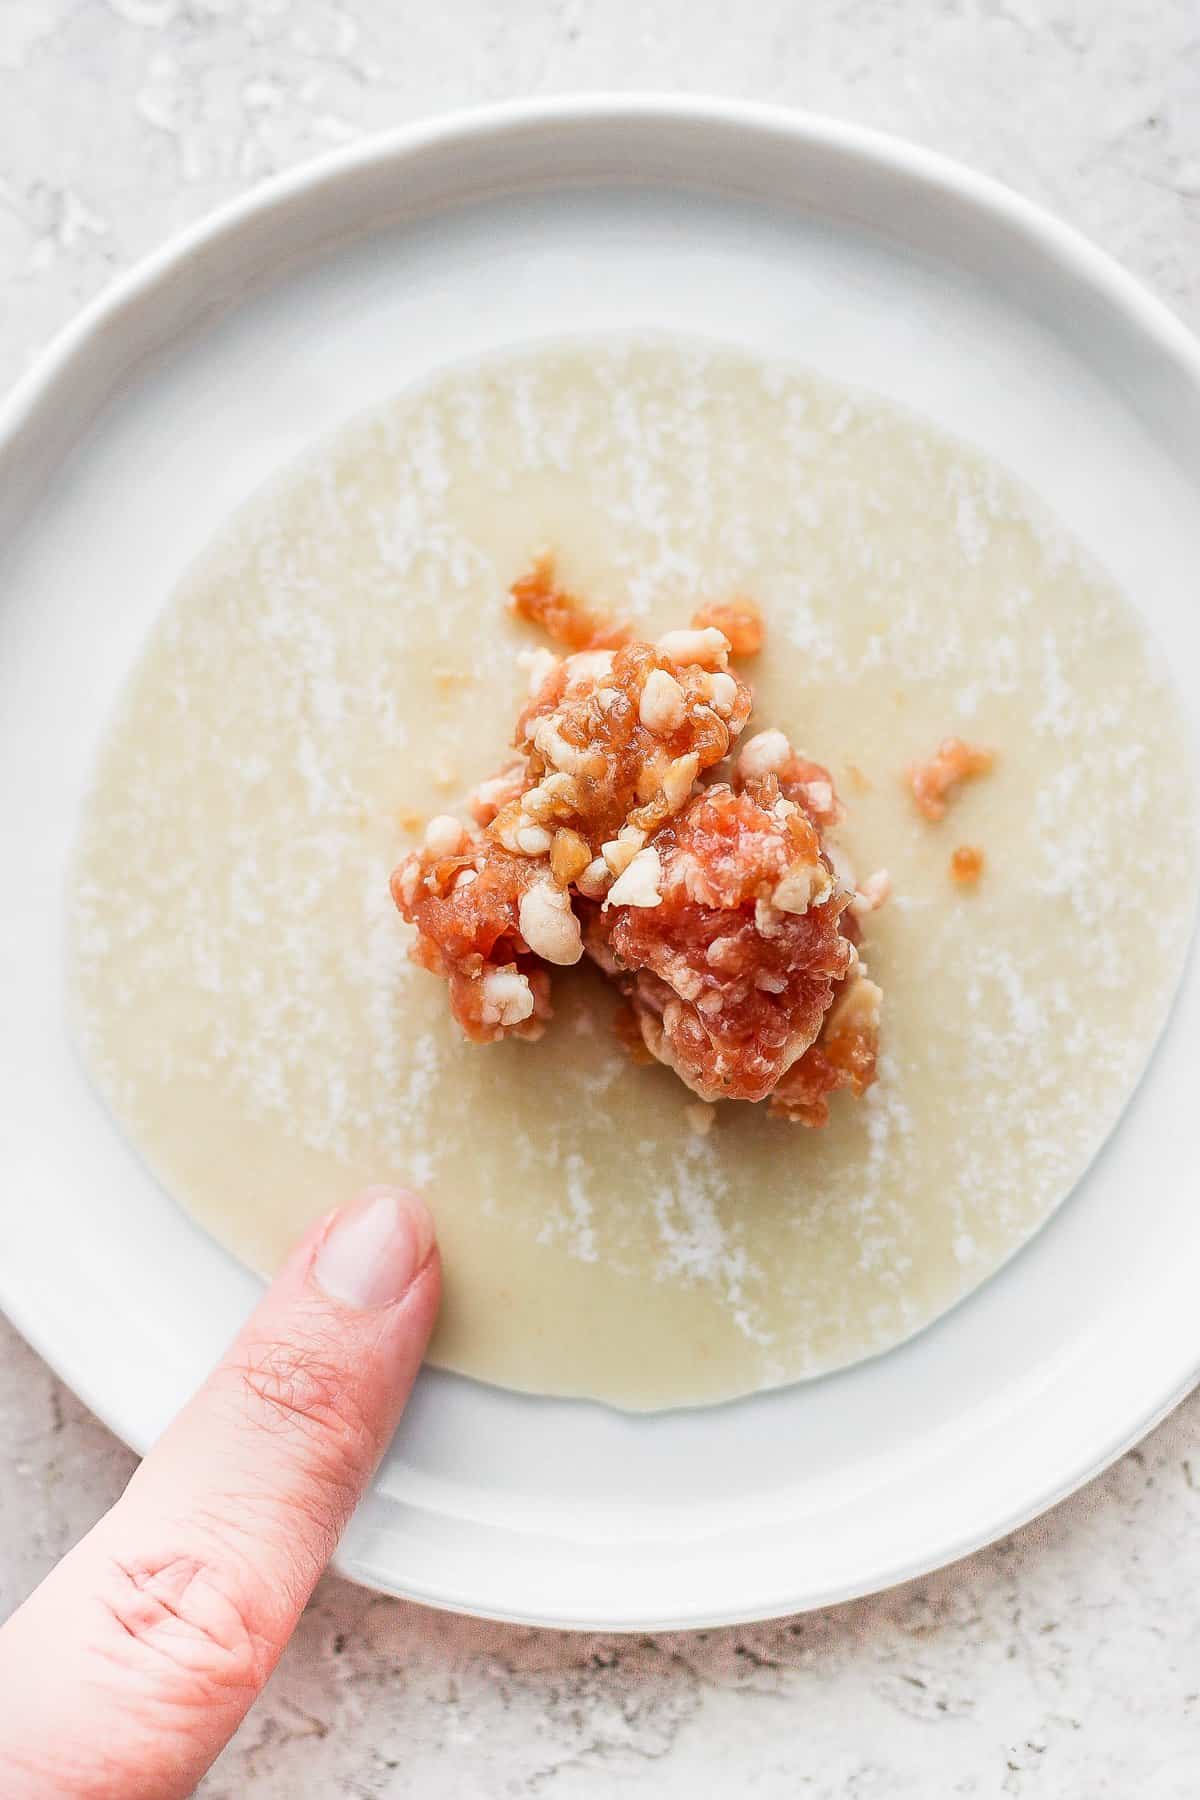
<point x="410" y="881"/>
<point x="593" y="883"/>
<point x="587" y="667"/>
<point x="507" y="997"/>
<point x="764" y="754"/>
<point x="639" y="884"/>
<point x="548" y="925"/>
<point x="533" y="840"/>
<point x="722" y="693"/>
<point x="444" y="835"/>
<point x="661" y="707"/>
<point x="620" y="851"/>
<point x="804" y="885"/>
<point x="708" y="647"/>
<point x="540" y="665"/>
<point x="549" y="743"/>
<point x="819" y="795"/>
<point x="542" y="801"/>
<point x="506" y="827"/>
<point x="677" y="782"/>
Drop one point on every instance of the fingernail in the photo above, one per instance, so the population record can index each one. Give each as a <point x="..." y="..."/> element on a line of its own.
<point x="375" y="1248"/>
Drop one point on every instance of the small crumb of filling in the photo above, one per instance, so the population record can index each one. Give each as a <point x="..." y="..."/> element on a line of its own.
<point x="738" y="620"/>
<point x="538" y="598"/>
<point x="875" y="890"/>
<point x="636" y="823"/>
<point x="935" y="781"/>
<point x="966" y="865"/>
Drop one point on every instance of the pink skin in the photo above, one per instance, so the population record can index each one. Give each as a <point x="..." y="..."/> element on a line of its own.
<point x="133" y="1664"/>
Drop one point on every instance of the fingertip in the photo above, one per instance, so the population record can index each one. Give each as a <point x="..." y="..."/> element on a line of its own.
<point x="373" y="1249"/>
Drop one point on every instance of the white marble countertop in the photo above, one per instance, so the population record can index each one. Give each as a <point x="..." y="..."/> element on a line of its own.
<point x="1062" y="1662"/>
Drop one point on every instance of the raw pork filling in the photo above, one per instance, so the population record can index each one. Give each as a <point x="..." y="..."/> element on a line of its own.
<point x="699" y="879"/>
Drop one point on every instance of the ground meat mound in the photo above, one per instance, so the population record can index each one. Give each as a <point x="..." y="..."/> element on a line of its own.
<point x="624" y="827"/>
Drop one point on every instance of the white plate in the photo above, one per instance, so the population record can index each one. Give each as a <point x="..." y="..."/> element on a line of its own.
<point x="217" y="361"/>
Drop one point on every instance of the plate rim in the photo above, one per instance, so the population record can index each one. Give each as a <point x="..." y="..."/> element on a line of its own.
<point x="800" y="128"/>
<point x="1054" y="241"/>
